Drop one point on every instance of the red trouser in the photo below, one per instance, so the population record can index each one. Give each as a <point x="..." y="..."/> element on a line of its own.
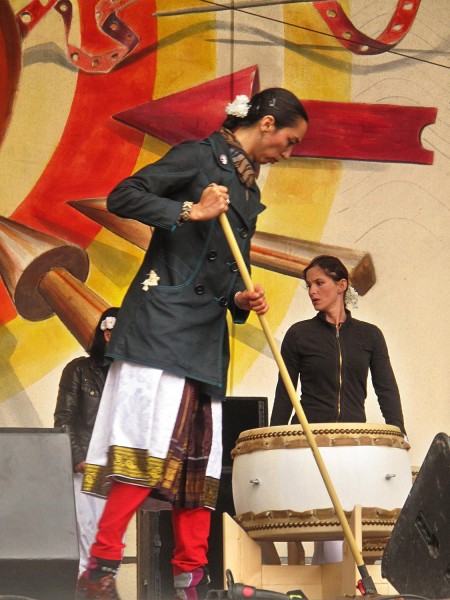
<point x="190" y="526"/>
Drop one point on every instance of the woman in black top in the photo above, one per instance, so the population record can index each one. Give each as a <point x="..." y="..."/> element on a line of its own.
<point x="332" y="355"/>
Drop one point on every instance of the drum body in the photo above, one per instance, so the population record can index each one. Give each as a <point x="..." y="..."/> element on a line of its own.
<point x="274" y="471"/>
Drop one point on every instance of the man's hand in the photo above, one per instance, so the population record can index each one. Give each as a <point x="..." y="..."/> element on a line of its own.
<point x="213" y="202"/>
<point x="255" y="300"/>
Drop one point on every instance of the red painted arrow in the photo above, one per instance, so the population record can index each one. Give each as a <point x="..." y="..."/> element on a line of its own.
<point x="342" y="130"/>
<point x="376" y="132"/>
<point x="193" y="113"/>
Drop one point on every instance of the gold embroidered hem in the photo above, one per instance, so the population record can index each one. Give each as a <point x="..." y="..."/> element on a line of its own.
<point x="133" y="465"/>
<point x="127" y="464"/>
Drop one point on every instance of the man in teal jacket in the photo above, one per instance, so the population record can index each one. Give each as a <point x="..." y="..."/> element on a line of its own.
<point x="159" y="424"/>
<point x="197" y="274"/>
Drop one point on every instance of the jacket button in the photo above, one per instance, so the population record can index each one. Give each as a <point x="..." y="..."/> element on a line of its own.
<point x="243" y="232"/>
<point x="223" y="301"/>
<point x="233" y="267"/>
<point x="92" y="392"/>
<point x="199" y="289"/>
<point x="212" y="255"/>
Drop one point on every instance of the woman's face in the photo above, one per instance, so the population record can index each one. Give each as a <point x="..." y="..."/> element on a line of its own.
<point x="325" y="293"/>
<point x="274" y="144"/>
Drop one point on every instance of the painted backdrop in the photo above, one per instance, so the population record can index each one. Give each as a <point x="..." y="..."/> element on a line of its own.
<point x="89" y="95"/>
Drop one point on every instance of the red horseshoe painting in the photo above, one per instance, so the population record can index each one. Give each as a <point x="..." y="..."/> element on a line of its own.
<point x="356" y="41"/>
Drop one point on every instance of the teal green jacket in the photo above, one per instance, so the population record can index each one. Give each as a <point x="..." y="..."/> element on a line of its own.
<point x="180" y="324"/>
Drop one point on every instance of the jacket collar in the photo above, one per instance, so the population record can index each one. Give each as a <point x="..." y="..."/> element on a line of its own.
<point x="322" y="317"/>
<point x="253" y="206"/>
<point x="98" y="366"/>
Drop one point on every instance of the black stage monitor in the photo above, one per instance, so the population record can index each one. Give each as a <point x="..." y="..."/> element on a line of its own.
<point x="38" y="536"/>
<point x="417" y="557"/>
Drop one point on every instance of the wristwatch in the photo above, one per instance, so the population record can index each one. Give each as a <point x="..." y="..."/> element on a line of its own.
<point x="185" y="213"/>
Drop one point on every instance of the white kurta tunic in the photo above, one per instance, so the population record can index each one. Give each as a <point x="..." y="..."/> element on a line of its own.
<point x="137" y="415"/>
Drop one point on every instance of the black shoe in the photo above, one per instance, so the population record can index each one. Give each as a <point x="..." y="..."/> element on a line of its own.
<point x="102" y="589"/>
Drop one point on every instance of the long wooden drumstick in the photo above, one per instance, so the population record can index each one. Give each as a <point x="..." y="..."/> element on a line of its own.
<point x="367" y="582"/>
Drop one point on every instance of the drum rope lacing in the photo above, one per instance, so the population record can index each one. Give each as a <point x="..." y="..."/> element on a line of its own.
<point x="384" y="437"/>
<point x="291" y="519"/>
<point x="303" y="525"/>
<point x="271" y="434"/>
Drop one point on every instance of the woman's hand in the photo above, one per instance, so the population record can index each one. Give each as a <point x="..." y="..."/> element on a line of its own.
<point x="213" y="202"/>
<point x="255" y="300"/>
<point x="79" y="468"/>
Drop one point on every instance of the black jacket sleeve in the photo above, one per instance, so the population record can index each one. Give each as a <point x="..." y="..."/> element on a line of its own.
<point x="282" y="405"/>
<point x="384" y="383"/>
<point x="68" y="406"/>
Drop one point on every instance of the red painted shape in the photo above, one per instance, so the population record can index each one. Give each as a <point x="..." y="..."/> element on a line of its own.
<point x="30" y="15"/>
<point x="358" y="42"/>
<point x="111" y="28"/>
<point x="343" y="130"/>
<point x="10" y="63"/>
<point x="375" y="132"/>
<point x="94" y="152"/>
<point x="193" y="113"/>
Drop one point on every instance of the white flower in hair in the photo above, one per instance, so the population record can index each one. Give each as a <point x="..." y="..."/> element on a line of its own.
<point x="108" y="323"/>
<point x="351" y="297"/>
<point x="239" y="107"/>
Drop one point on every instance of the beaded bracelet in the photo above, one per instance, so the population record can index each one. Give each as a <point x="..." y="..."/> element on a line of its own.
<point x="185" y="213"/>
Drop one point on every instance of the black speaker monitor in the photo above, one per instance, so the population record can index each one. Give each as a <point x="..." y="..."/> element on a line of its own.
<point x="417" y="557"/>
<point x="239" y="414"/>
<point x="38" y="542"/>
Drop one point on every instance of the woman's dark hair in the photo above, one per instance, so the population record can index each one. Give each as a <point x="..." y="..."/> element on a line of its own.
<point x="332" y="266"/>
<point x="282" y="104"/>
<point x="98" y="344"/>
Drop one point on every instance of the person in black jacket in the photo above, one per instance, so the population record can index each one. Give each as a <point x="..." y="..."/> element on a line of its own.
<point x="80" y="389"/>
<point x="332" y="354"/>
<point x="158" y="430"/>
